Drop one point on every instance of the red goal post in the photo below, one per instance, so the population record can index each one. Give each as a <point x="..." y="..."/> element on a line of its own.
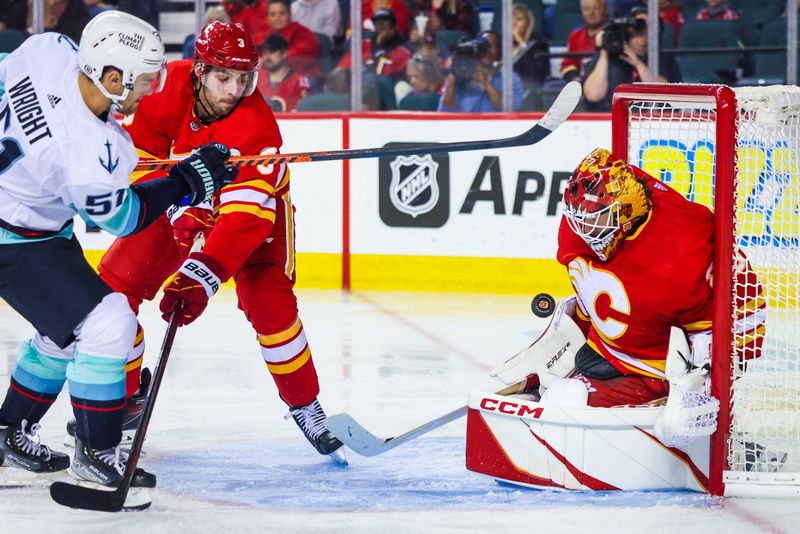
<point x="736" y="151"/>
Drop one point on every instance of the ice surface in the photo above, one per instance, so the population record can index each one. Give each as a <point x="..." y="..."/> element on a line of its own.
<point x="227" y="461"/>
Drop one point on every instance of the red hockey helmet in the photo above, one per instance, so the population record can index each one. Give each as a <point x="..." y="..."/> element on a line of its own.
<point x="226" y="45"/>
<point x="604" y="199"/>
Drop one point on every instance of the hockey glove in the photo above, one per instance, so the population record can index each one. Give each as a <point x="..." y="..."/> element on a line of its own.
<point x="188" y="222"/>
<point x="204" y="172"/>
<point x="198" y="279"/>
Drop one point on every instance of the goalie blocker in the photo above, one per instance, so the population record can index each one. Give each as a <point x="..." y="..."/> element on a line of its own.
<point x="558" y="441"/>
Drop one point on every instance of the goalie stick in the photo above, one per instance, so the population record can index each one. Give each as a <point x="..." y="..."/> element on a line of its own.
<point x="363" y="442"/>
<point x="564" y="105"/>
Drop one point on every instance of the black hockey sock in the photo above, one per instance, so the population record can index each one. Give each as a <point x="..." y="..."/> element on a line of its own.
<point x="23" y="403"/>
<point x="99" y="423"/>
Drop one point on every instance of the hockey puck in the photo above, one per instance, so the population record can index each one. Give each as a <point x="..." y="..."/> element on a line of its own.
<point x="543" y="305"/>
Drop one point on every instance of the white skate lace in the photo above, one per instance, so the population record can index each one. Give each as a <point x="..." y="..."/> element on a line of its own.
<point x="116" y="457"/>
<point x="29" y="442"/>
<point x="311" y="419"/>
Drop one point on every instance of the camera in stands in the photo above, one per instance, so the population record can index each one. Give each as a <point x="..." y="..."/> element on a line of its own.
<point x="618" y="30"/>
<point x="465" y="58"/>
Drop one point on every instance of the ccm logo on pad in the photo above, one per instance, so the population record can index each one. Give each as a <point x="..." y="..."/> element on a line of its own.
<point x="510" y="408"/>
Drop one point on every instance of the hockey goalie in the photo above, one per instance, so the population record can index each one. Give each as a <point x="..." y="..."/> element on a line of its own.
<point x="615" y="393"/>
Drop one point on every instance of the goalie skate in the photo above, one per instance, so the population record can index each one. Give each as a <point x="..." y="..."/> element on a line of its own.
<point x="311" y="420"/>
<point x="24" y="461"/>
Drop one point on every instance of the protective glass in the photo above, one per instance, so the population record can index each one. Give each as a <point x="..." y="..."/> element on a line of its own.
<point x="224" y="82"/>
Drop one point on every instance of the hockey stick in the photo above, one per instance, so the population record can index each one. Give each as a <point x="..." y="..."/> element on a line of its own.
<point x="555" y="116"/>
<point x="361" y="441"/>
<point x="100" y="500"/>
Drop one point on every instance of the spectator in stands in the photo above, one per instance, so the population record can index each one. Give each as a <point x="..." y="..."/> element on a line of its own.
<point x="531" y="68"/>
<point x="718" y="10"/>
<point x="303" y="44"/>
<point x="146" y="10"/>
<point x="671" y="13"/>
<point x="97" y="6"/>
<point x="13" y="24"/>
<point x="610" y="67"/>
<point x="212" y="13"/>
<point x="442" y="15"/>
<point x="476" y="86"/>
<point x="582" y="39"/>
<point x="66" y="16"/>
<point x="280" y="86"/>
<point x="399" y="9"/>
<point x="384" y="51"/>
<point x="423" y="76"/>
<point x="252" y="14"/>
<point x="319" y="16"/>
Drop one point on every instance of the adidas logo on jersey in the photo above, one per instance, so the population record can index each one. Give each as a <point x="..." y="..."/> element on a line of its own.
<point x="53" y="100"/>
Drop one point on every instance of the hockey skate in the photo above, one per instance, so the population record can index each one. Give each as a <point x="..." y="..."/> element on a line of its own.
<point x="130" y="421"/>
<point x="24" y="461"/>
<point x="104" y="469"/>
<point x="311" y="420"/>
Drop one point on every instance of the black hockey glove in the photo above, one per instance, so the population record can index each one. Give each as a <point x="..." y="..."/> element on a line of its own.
<point x="204" y="172"/>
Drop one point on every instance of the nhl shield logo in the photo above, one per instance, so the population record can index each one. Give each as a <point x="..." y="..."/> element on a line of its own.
<point x="414" y="189"/>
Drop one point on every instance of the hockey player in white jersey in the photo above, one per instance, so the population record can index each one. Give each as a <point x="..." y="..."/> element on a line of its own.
<point x="62" y="154"/>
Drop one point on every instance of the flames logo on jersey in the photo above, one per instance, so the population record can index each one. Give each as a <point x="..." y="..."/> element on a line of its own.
<point x="414" y="189"/>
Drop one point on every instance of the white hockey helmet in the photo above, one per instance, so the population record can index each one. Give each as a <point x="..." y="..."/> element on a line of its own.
<point x="120" y="40"/>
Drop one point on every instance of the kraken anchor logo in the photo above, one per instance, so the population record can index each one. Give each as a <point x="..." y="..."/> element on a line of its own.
<point x="107" y="165"/>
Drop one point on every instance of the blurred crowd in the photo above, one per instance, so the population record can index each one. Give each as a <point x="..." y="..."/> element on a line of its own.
<point x="446" y="55"/>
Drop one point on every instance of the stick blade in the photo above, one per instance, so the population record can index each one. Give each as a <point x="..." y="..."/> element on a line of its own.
<point x="351" y="433"/>
<point x="566" y="102"/>
<point x="85" y="498"/>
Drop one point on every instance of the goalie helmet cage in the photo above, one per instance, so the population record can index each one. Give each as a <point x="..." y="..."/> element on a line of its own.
<point x="736" y="151"/>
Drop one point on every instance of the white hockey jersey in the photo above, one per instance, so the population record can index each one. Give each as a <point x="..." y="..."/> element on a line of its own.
<point x="57" y="159"/>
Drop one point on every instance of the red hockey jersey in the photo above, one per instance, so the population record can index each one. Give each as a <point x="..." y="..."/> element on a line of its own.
<point x="659" y="278"/>
<point x="165" y="126"/>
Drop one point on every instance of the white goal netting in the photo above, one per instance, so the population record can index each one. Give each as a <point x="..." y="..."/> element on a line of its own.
<point x="675" y="140"/>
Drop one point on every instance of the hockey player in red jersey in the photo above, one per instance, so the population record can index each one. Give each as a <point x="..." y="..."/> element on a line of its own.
<point x="639" y="258"/>
<point x="249" y="228"/>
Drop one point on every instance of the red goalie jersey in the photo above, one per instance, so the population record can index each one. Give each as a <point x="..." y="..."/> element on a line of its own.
<point x="165" y="126"/>
<point x="660" y="277"/>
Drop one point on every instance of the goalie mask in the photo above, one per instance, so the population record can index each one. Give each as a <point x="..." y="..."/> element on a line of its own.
<point x="226" y="66"/>
<point x="604" y="200"/>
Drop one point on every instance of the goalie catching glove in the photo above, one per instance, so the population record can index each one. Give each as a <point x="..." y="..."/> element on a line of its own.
<point x="690" y="412"/>
<point x="197" y="280"/>
<point x="552" y="356"/>
<point x="204" y="171"/>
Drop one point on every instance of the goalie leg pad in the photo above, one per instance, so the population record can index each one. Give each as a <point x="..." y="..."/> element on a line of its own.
<point x="566" y="392"/>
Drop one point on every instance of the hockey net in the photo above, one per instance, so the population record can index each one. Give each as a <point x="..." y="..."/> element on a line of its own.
<point x="737" y="153"/>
